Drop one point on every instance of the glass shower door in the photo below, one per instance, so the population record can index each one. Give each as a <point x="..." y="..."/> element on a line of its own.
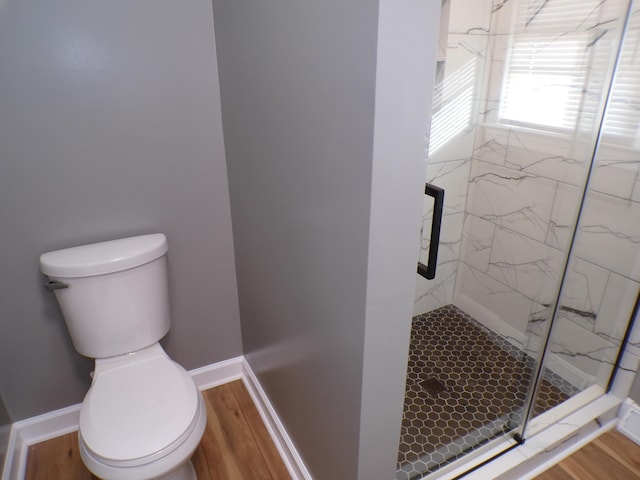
<point x="521" y="90"/>
<point x="601" y="291"/>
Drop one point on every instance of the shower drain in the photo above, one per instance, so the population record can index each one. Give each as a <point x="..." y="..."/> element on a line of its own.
<point x="433" y="385"/>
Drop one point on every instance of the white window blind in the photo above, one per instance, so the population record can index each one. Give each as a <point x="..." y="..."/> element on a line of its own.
<point x="545" y="80"/>
<point x="622" y="120"/>
<point x="556" y="68"/>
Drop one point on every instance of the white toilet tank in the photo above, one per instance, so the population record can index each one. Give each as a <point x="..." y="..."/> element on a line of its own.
<point x="116" y="298"/>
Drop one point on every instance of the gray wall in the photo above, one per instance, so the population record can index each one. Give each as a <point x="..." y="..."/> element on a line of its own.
<point x="297" y="82"/>
<point x="109" y="126"/>
<point x="315" y="242"/>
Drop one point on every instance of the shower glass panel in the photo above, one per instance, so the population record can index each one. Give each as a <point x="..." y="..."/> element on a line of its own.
<point x="520" y="94"/>
<point x="603" y="275"/>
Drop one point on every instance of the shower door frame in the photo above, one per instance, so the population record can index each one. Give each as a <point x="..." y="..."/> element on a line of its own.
<point x="527" y="428"/>
<point x="586" y="184"/>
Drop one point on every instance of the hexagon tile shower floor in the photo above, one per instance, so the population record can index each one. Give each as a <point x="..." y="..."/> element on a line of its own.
<point x="465" y="386"/>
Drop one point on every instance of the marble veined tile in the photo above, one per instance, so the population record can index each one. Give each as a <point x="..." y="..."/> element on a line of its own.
<point x="588" y="15"/>
<point x="460" y="48"/>
<point x="609" y="234"/>
<point x="488" y="109"/>
<point x="458" y="148"/>
<point x="581" y="348"/>
<point x="491" y="144"/>
<point x="471" y="18"/>
<point x="497" y="54"/>
<point x="432" y="294"/>
<point x="625" y="375"/>
<point x="537" y="326"/>
<point x="526" y="265"/>
<point x="582" y="292"/>
<point x="616" y="309"/>
<point x="546" y="156"/>
<point x="588" y="350"/>
<point x="635" y="194"/>
<point x="465" y="58"/>
<point x="512" y="199"/>
<point x="450" y="238"/>
<point x="477" y="239"/>
<point x="435" y="293"/>
<point x="501" y="9"/>
<point x="453" y="177"/>
<point x="492" y="303"/>
<point x="615" y="172"/>
<point x="563" y="215"/>
<point x="633" y="344"/>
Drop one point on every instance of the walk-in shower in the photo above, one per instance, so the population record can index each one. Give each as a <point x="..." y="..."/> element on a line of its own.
<point x="535" y="140"/>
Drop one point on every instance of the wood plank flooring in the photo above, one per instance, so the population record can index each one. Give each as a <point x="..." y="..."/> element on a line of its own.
<point x="612" y="456"/>
<point x="235" y="445"/>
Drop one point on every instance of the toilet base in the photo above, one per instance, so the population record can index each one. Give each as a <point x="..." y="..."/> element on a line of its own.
<point x="186" y="471"/>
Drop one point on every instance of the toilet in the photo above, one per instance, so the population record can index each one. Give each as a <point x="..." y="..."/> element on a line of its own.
<point x="143" y="416"/>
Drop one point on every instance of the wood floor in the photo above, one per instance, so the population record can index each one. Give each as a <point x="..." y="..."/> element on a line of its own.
<point x="611" y="456"/>
<point x="235" y="445"/>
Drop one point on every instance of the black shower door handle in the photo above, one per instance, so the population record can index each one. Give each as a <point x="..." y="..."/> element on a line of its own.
<point x="428" y="271"/>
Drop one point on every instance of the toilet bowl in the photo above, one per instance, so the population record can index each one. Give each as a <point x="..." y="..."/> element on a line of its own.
<point x="143" y="416"/>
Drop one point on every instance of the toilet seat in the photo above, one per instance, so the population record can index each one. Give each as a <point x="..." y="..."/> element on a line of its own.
<point x="140" y="407"/>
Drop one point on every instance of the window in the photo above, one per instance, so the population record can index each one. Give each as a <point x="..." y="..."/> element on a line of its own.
<point x="558" y="65"/>
<point x="545" y="80"/>
<point x="623" y="114"/>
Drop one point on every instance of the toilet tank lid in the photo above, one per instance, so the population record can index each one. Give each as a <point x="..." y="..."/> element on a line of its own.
<point x="103" y="257"/>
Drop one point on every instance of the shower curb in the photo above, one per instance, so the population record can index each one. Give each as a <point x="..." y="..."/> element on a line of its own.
<point x="551" y="445"/>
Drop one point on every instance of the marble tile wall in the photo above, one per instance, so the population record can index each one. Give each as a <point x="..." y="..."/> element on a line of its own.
<point x="512" y="195"/>
<point x="456" y="107"/>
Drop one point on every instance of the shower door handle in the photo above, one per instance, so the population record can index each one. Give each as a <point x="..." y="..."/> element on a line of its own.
<point x="429" y="271"/>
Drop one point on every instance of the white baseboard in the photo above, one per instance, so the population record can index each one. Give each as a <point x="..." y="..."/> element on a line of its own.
<point x="10" y="453"/>
<point x="283" y="442"/>
<point x="34" y="430"/>
<point x="217" y="374"/>
<point x="60" y="422"/>
<point x="629" y="423"/>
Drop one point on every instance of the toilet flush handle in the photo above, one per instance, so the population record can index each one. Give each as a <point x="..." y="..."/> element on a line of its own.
<point x="55" y="285"/>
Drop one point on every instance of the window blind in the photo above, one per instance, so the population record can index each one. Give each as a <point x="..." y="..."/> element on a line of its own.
<point x="622" y="119"/>
<point x="556" y="68"/>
